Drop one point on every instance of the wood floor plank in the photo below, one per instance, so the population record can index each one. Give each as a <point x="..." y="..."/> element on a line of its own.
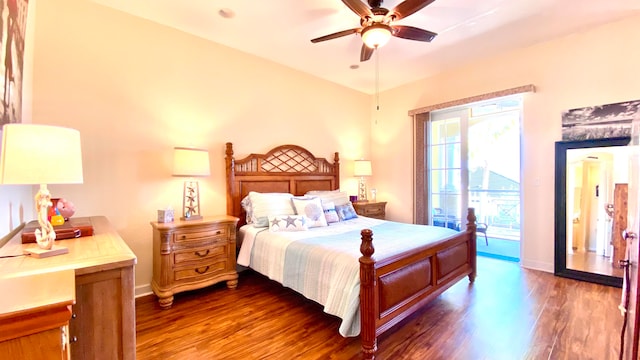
<point x="508" y="313"/>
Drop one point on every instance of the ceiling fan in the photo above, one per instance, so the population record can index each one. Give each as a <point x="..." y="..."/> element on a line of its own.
<point x="376" y="24"/>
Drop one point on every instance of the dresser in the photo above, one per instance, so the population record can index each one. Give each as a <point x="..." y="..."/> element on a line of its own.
<point x="102" y="323"/>
<point x="34" y="320"/>
<point x="372" y="209"/>
<point x="191" y="254"/>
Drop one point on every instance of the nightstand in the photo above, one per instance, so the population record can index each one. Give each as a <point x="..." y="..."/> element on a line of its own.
<point x="189" y="255"/>
<point x="371" y="209"/>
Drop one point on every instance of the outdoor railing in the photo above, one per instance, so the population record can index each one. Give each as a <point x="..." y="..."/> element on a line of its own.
<point x="496" y="208"/>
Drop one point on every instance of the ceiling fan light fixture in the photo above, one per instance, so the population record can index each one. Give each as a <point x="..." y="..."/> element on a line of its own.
<point x="376" y="35"/>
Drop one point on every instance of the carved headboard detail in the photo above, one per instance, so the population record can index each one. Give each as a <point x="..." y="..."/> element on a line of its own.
<point x="286" y="168"/>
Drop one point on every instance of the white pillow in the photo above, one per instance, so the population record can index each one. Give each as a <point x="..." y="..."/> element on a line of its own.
<point x="246" y="205"/>
<point x="287" y="223"/>
<point x="330" y="212"/>
<point x="337" y="197"/>
<point x="311" y="208"/>
<point x="265" y="204"/>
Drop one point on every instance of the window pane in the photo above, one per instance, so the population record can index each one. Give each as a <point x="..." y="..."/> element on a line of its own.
<point x="437" y="205"/>
<point x="438" y="181"/>
<point x="446" y="211"/>
<point x="445" y="131"/>
<point x="445" y="181"/>
<point x="438" y="160"/>
<point x="453" y="205"/>
<point x="453" y="155"/>
<point x="453" y="130"/>
<point x="452" y="181"/>
<point x="438" y="133"/>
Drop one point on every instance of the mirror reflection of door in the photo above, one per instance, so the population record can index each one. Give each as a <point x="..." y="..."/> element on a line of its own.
<point x="596" y="199"/>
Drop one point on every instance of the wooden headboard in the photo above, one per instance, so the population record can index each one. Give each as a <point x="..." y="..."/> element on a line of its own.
<point x="286" y="168"/>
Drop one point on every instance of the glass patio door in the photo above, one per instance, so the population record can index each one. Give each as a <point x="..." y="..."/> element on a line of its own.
<point x="473" y="160"/>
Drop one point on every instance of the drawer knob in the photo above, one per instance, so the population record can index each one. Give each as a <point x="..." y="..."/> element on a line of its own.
<point x="202" y="254"/>
<point x="202" y="271"/>
<point x="183" y="237"/>
<point x="73" y="339"/>
<point x="74" y="315"/>
<point x="218" y="232"/>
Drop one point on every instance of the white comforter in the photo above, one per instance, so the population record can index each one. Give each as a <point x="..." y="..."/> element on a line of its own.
<point x="322" y="263"/>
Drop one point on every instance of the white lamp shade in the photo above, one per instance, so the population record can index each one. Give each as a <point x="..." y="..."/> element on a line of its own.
<point x="362" y="168"/>
<point x="40" y="154"/>
<point x="190" y="162"/>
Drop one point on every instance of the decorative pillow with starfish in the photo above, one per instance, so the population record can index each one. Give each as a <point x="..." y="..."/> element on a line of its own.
<point x="288" y="223"/>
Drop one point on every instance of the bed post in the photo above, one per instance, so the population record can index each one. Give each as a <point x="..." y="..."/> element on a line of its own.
<point x="230" y="179"/>
<point x="367" y="296"/>
<point x="336" y="169"/>
<point x="471" y="227"/>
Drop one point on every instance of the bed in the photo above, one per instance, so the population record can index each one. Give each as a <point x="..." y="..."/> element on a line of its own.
<point x="392" y="280"/>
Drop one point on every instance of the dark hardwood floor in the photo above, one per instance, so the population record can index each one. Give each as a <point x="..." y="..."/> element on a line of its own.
<point x="508" y="313"/>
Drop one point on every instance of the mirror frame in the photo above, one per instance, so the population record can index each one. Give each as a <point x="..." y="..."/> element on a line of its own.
<point x="560" y="263"/>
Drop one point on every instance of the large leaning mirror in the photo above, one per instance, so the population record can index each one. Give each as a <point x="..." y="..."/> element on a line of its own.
<point x="591" y="178"/>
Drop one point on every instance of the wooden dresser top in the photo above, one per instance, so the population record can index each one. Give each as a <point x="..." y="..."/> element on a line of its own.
<point x="105" y="250"/>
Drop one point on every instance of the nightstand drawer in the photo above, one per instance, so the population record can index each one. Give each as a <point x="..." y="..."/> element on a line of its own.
<point x="201" y="235"/>
<point x="199" y="254"/>
<point x="373" y="209"/>
<point x="200" y="271"/>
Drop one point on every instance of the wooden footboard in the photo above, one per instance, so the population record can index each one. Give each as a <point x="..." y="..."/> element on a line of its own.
<point x="393" y="288"/>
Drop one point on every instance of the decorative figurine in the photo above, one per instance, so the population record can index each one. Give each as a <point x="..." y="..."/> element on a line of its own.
<point x="65" y="208"/>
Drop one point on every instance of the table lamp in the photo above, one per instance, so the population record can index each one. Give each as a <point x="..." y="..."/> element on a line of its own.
<point x="362" y="168"/>
<point x="41" y="154"/>
<point x="191" y="163"/>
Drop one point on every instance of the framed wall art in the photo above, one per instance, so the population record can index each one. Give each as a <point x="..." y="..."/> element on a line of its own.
<point x="600" y="122"/>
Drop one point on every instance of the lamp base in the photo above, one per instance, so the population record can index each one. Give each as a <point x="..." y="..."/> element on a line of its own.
<point x="191" y="201"/>
<point x="362" y="190"/>
<point x="192" y="217"/>
<point x="39" y="253"/>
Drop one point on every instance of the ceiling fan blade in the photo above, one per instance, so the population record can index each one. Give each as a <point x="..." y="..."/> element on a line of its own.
<point x="408" y="7"/>
<point x="336" y="35"/>
<point x="365" y="53"/>
<point x="358" y="7"/>
<point x="412" y="33"/>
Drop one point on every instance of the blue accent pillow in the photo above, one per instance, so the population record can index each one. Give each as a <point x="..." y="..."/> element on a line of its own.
<point x="346" y="212"/>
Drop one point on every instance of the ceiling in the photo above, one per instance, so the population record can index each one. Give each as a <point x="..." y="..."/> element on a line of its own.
<point x="468" y="30"/>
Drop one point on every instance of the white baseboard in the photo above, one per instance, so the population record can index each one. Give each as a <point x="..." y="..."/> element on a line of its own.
<point x="143" y="290"/>
<point x="537" y="265"/>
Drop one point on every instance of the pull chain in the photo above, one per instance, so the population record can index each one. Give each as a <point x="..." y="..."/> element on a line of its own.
<point x="377" y="81"/>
